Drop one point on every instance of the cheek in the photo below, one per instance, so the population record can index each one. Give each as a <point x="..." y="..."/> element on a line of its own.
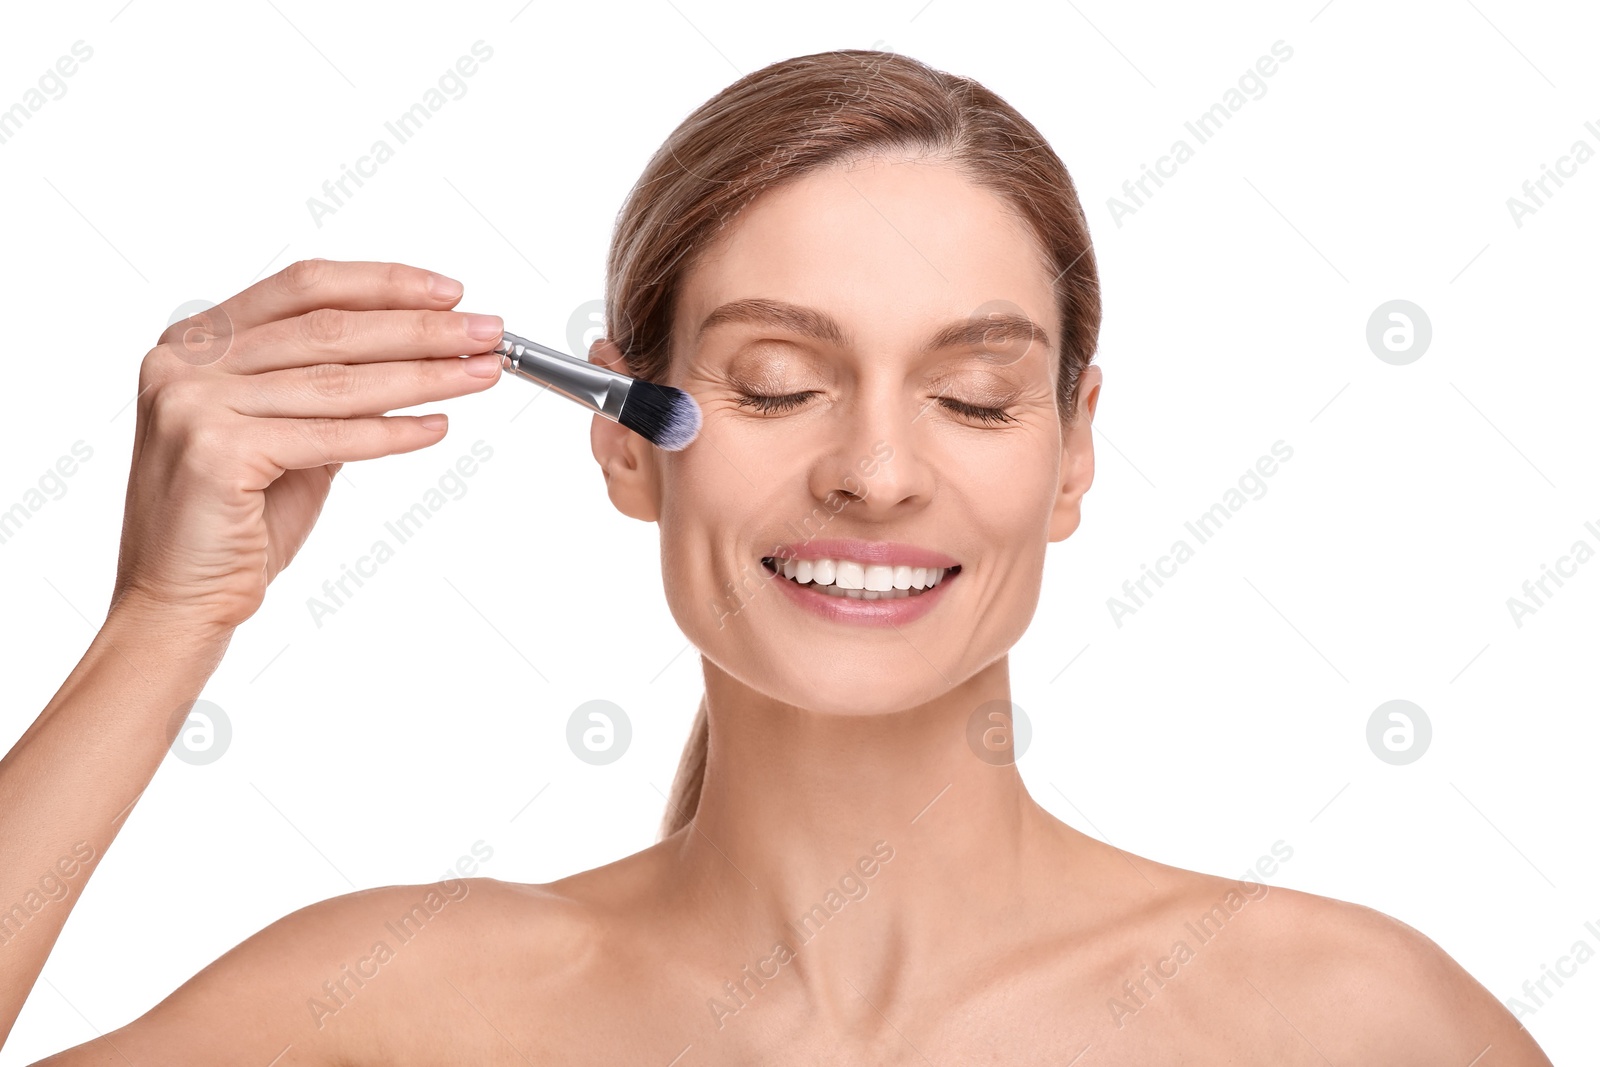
<point x="1011" y="508"/>
<point x="1012" y="478"/>
<point x="706" y="513"/>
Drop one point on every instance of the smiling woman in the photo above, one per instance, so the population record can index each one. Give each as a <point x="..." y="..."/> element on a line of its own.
<point x="876" y="280"/>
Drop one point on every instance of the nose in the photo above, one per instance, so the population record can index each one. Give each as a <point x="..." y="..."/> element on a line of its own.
<point x="873" y="458"/>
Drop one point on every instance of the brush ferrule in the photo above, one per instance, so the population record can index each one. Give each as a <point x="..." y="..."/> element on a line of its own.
<point x="597" y="388"/>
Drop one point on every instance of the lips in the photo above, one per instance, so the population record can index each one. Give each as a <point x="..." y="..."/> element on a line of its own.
<point x="892" y="608"/>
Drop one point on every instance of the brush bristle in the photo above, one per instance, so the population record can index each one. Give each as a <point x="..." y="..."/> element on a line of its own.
<point x="668" y="418"/>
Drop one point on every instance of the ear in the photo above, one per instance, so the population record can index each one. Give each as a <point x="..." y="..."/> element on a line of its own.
<point x="625" y="458"/>
<point x="1077" y="458"/>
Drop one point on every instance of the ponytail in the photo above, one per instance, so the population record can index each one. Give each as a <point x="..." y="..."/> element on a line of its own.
<point x="685" y="799"/>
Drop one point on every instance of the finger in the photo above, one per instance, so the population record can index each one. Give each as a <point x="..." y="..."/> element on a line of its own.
<point x="317" y="283"/>
<point x="332" y="335"/>
<point x="342" y="391"/>
<point x="296" y="444"/>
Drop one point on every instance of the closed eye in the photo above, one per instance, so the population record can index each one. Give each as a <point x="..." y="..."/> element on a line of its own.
<point x="972" y="411"/>
<point x="789" y="401"/>
<point x="772" y="403"/>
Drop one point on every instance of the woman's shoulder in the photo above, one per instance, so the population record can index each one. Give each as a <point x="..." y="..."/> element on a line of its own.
<point x="385" y="972"/>
<point x="1341" y="979"/>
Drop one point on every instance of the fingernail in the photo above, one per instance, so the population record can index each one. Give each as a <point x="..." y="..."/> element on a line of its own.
<point x="485" y="327"/>
<point x="443" y="288"/>
<point x="434" y="421"/>
<point x="482" y="365"/>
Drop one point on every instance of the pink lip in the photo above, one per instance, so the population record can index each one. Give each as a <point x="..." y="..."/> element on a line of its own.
<point x="896" y="612"/>
<point x="887" y="553"/>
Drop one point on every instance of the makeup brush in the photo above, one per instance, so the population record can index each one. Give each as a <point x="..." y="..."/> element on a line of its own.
<point x="666" y="417"/>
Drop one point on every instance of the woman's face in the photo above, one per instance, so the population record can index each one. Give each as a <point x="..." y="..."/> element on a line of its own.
<point x="858" y="272"/>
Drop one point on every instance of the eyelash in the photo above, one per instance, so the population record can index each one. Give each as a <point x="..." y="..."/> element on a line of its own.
<point x="793" y="400"/>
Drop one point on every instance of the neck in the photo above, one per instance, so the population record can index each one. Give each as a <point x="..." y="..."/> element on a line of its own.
<point x="892" y="823"/>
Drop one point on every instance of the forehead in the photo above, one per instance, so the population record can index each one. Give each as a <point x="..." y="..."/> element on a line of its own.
<point x="885" y="245"/>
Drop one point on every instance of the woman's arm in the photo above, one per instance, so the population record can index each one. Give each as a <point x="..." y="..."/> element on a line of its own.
<point x="246" y="414"/>
<point x="67" y="785"/>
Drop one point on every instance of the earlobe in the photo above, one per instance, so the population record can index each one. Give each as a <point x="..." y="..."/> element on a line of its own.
<point x="624" y="457"/>
<point x="1077" y="458"/>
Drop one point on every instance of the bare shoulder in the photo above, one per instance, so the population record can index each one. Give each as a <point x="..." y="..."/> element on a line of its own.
<point x="1369" y="985"/>
<point x="374" y="976"/>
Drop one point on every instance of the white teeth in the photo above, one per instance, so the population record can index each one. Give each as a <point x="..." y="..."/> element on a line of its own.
<point x="865" y="594"/>
<point x="846" y="577"/>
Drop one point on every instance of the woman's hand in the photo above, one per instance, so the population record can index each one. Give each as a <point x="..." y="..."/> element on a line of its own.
<point x="247" y="411"/>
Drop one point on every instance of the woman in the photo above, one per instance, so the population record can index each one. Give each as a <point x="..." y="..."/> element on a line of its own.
<point x="877" y="281"/>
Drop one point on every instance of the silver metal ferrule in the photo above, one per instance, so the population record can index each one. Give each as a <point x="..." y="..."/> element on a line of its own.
<point x="600" y="390"/>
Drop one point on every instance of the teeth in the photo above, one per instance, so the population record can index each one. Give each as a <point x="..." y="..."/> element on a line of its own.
<point x="865" y="594"/>
<point x="876" y="581"/>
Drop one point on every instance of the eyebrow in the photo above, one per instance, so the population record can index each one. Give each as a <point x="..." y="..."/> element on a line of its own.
<point x="810" y="322"/>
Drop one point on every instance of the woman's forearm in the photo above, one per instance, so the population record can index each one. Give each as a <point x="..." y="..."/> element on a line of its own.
<point x="68" y="784"/>
<point x="232" y="462"/>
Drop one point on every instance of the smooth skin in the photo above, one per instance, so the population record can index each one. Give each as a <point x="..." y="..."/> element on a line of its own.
<point x="981" y="929"/>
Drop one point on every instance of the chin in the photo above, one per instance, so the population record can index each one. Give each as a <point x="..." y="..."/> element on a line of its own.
<point x="872" y="688"/>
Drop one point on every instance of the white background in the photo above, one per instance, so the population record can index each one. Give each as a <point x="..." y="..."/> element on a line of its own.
<point x="1227" y="714"/>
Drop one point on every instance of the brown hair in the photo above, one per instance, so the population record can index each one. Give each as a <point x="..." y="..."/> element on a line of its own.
<point x="798" y="115"/>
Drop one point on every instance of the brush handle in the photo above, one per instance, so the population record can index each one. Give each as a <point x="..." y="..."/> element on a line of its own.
<point x="600" y="390"/>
